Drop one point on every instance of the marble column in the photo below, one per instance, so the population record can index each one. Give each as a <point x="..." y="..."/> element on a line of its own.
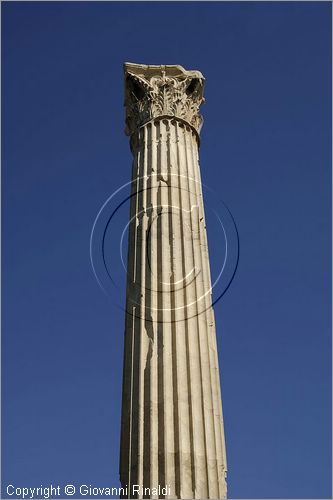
<point x="172" y="432"/>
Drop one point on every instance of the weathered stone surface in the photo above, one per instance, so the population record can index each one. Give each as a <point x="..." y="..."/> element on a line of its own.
<point x="162" y="91"/>
<point x="172" y="424"/>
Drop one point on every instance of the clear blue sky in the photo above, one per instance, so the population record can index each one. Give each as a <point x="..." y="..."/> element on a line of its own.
<point x="266" y="150"/>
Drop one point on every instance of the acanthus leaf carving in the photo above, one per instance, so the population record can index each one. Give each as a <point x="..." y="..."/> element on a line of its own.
<point x="156" y="91"/>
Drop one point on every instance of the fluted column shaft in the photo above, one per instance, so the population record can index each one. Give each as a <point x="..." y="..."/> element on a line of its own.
<point x="172" y="425"/>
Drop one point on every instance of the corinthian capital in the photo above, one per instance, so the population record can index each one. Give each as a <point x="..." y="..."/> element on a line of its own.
<point x="162" y="91"/>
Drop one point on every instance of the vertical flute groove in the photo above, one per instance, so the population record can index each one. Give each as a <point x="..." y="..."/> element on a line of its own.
<point x="204" y="286"/>
<point x="201" y="326"/>
<point x="161" y="401"/>
<point x="201" y="486"/>
<point x="167" y="330"/>
<point x="172" y="229"/>
<point x="182" y="206"/>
